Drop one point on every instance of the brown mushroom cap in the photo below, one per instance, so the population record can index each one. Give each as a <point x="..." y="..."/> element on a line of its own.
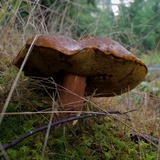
<point x="108" y="67"/>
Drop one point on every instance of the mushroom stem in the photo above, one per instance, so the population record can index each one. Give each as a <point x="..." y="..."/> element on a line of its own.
<point x="71" y="97"/>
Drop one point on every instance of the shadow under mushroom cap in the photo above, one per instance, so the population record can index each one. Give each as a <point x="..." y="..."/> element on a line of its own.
<point x="109" y="68"/>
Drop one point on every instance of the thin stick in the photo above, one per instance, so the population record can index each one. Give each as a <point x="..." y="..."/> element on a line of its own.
<point x="7" y="146"/>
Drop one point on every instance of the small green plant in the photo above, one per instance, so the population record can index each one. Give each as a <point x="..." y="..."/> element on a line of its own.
<point x="152" y="88"/>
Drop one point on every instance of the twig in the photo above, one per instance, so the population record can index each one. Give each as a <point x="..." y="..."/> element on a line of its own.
<point x="12" y="144"/>
<point x="7" y="146"/>
<point x="136" y="137"/>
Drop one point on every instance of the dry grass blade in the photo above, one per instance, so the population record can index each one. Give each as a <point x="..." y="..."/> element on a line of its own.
<point x="4" y="153"/>
<point x="16" y="80"/>
<point x="49" y="127"/>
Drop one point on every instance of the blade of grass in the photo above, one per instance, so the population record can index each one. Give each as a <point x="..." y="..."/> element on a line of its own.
<point x="16" y="79"/>
<point x="49" y="127"/>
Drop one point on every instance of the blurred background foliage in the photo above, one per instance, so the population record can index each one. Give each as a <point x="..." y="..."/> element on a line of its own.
<point x="135" y="23"/>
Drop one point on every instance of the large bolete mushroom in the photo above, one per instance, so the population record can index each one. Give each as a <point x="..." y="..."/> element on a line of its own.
<point x="95" y="66"/>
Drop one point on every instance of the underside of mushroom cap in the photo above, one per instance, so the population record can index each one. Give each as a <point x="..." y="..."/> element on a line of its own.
<point x="108" y="67"/>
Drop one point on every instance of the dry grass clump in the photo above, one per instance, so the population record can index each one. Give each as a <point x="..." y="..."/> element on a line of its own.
<point x="145" y="118"/>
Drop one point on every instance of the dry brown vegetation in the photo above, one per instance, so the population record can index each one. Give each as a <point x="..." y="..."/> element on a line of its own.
<point x="29" y="95"/>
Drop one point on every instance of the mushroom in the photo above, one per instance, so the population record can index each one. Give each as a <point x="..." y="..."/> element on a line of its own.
<point x="96" y="66"/>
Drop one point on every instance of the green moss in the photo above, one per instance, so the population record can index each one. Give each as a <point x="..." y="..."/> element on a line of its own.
<point x="94" y="138"/>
